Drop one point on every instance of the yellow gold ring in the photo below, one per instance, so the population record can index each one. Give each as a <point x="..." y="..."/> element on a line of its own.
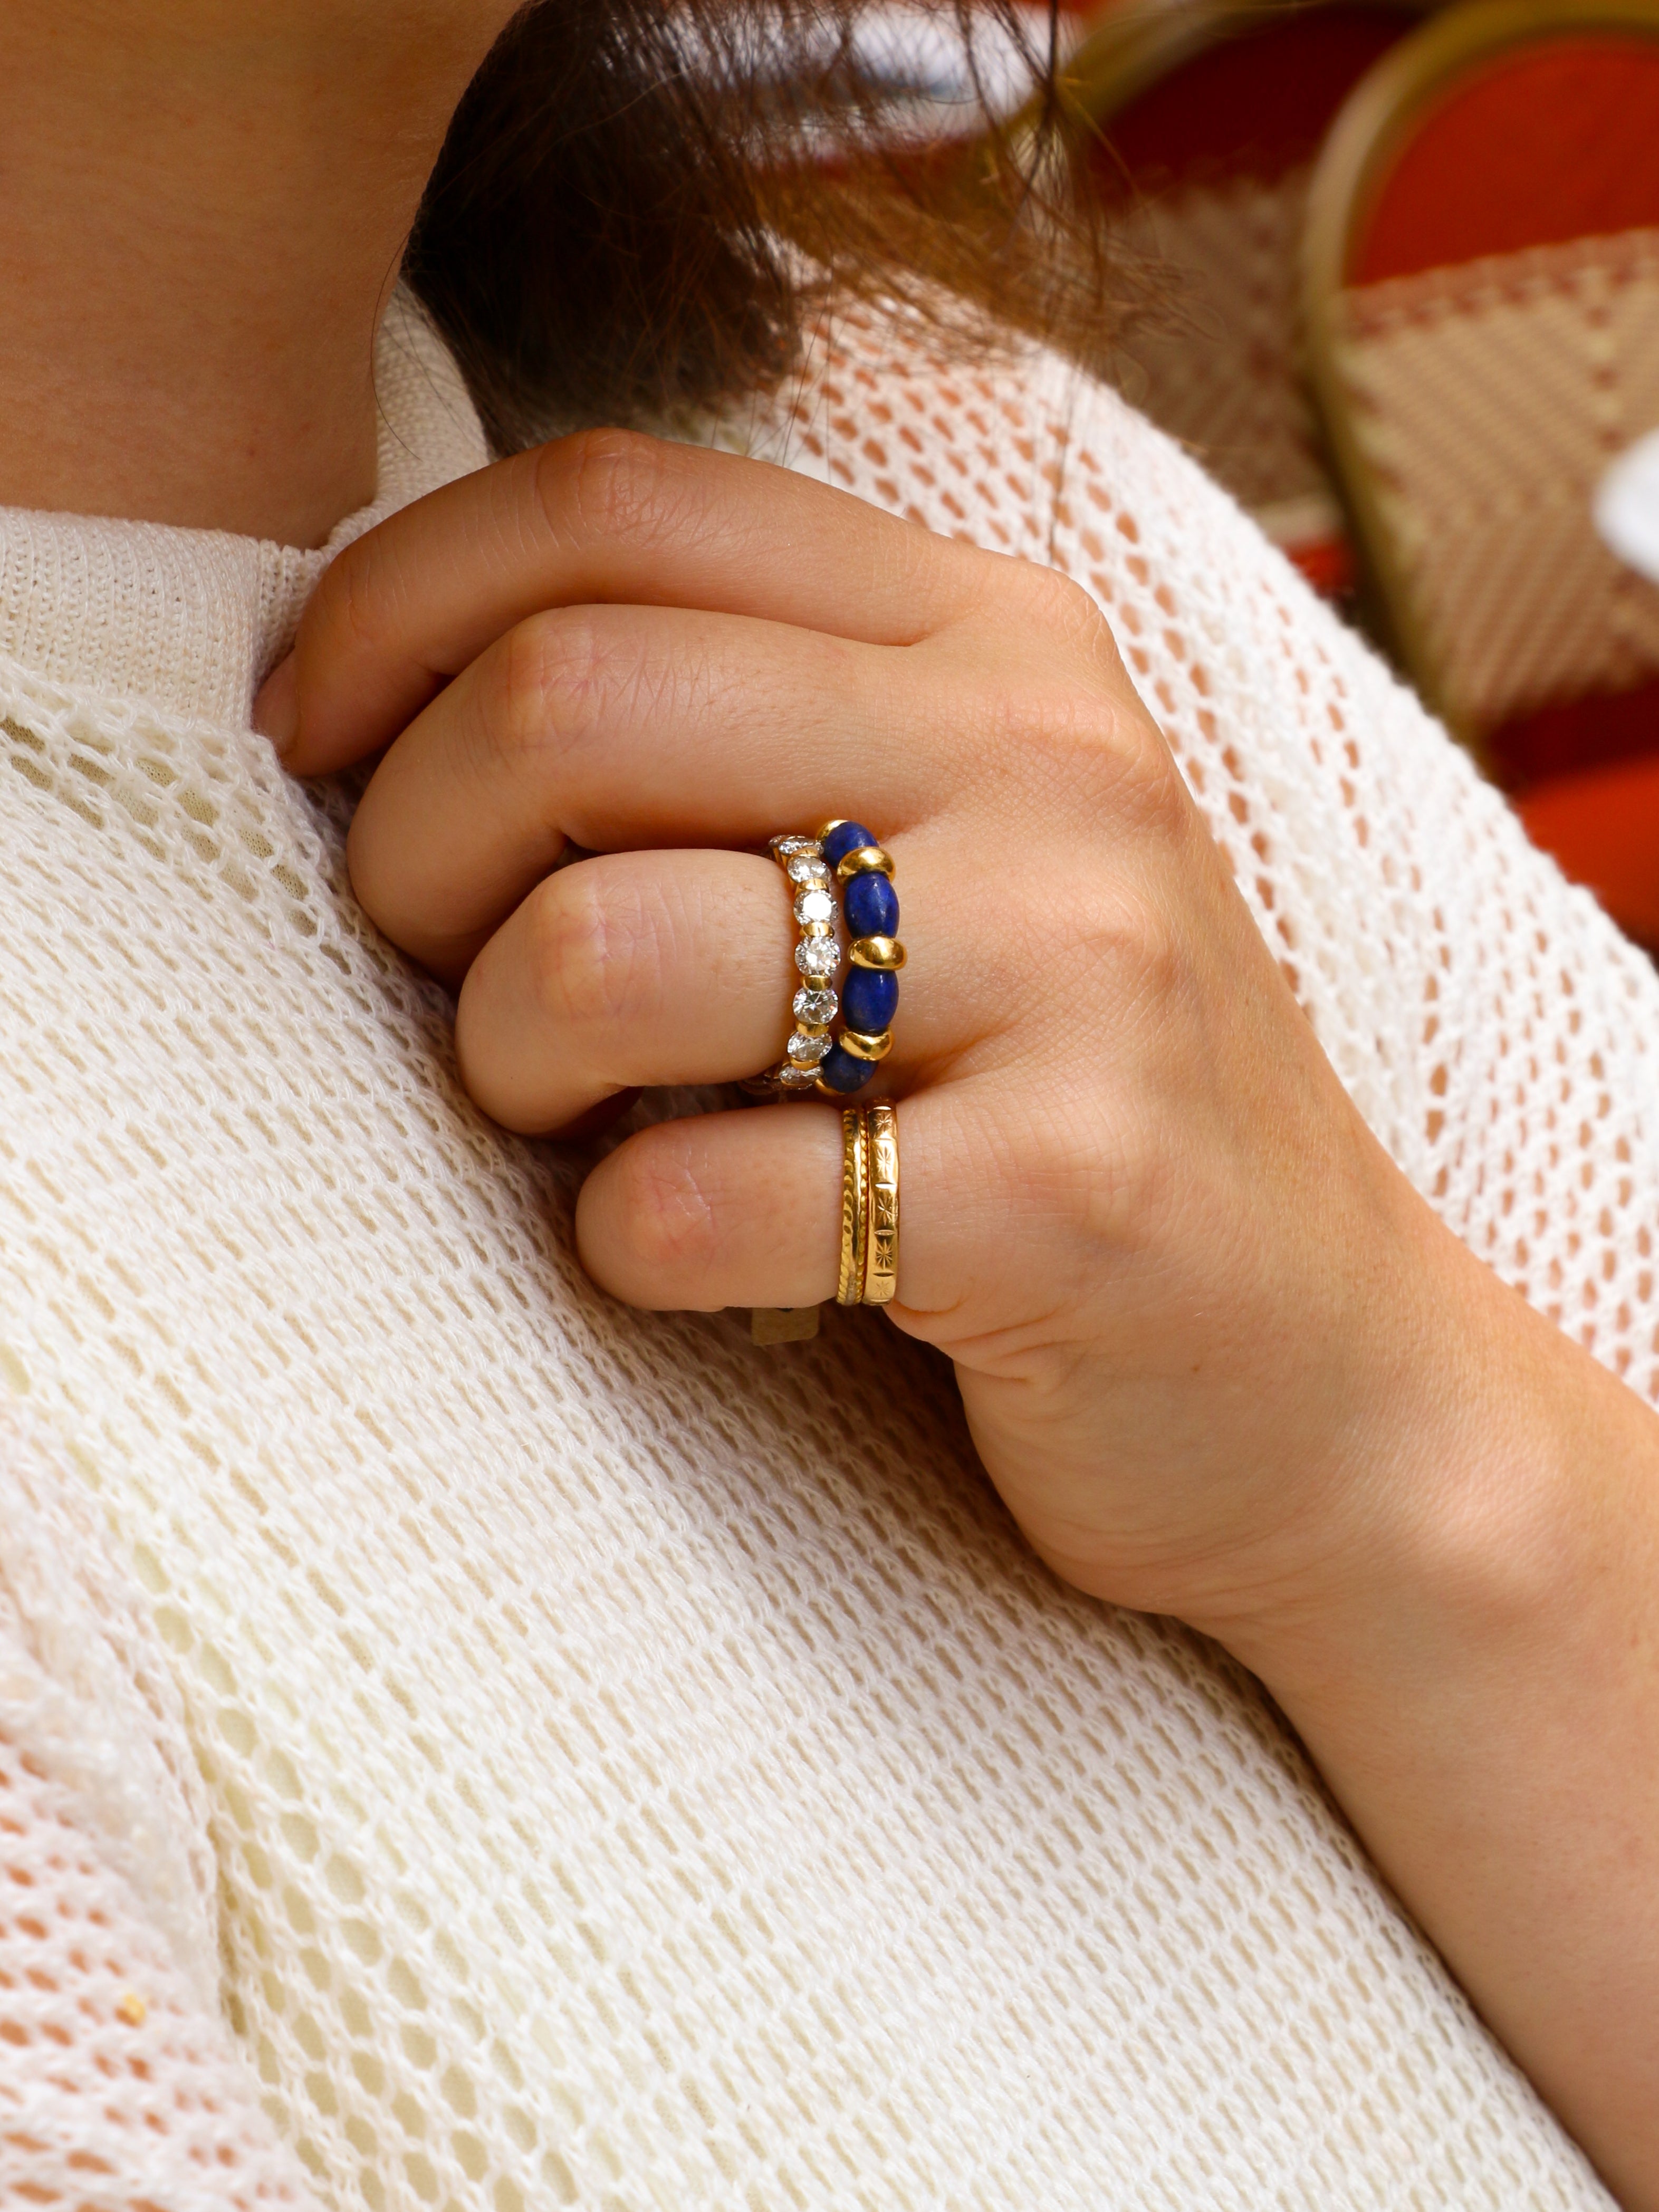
<point x="881" y="1179"/>
<point x="854" y="1206"/>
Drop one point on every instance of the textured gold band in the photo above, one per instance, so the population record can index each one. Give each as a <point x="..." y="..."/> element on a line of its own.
<point x="882" y="1205"/>
<point x="854" y="1205"/>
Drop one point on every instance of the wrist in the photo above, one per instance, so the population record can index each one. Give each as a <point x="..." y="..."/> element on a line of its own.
<point x="1474" y="1671"/>
<point x="1472" y="1519"/>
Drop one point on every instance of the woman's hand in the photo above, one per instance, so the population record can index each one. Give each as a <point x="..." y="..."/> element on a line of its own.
<point x="1218" y="1357"/>
<point x="1178" y="1277"/>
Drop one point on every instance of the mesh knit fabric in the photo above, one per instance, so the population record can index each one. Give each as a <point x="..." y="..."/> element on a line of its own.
<point x="624" y="1790"/>
<point x="119" y="2085"/>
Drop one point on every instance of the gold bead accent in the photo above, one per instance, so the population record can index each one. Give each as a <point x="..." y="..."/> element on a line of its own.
<point x="865" y="861"/>
<point x="881" y="1203"/>
<point x="876" y="952"/>
<point x="867" y="1047"/>
<point x="854" y="1205"/>
<point x="824" y="828"/>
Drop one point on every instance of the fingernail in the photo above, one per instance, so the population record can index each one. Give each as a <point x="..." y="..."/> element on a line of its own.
<point x="276" y="709"/>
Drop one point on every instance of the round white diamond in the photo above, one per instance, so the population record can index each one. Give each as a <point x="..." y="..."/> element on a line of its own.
<point x="817" y="955"/>
<point x="788" y="847"/>
<point x="816" y="1007"/>
<point x="808" y="1051"/>
<point x="797" y="1078"/>
<point x="814" y="906"/>
<point x="807" y="868"/>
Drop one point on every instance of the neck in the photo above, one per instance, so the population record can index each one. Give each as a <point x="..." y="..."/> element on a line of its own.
<point x="202" y="207"/>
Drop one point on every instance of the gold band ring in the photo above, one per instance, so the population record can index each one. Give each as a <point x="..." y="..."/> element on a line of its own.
<point x="854" y="1205"/>
<point x="868" y="1273"/>
<point x="881" y="1179"/>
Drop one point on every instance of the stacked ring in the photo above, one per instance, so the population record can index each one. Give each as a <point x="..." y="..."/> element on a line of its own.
<point x="817" y="955"/>
<point x="869" y="996"/>
<point x="881" y="1222"/>
<point x="869" y="1206"/>
<point x="854" y="1205"/>
<point x="868" y="1271"/>
<point x="813" y="1060"/>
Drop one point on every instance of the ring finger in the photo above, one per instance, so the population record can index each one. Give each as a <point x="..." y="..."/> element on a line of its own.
<point x="746" y="1209"/>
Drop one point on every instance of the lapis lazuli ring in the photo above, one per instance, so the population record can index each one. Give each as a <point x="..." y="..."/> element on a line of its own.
<point x="843" y="855"/>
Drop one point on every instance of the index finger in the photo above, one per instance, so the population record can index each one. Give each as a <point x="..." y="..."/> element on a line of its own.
<point x="605" y="515"/>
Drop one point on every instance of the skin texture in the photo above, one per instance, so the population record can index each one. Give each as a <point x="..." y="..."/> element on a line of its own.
<point x="205" y="205"/>
<point x="1271" y="1393"/>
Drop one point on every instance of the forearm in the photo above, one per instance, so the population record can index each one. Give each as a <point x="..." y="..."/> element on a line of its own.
<point x="1477" y="1676"/>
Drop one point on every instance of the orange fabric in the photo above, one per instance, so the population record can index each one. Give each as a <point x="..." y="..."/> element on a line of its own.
<point x="1603" y="828"/>
<point x="1557" y="141"/>
<point x="1251" y="106"/>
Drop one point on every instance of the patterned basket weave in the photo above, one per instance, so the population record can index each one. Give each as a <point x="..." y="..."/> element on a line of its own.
<point x="1482" y="258"/>
<point x="1223" y="373"/>
<point x="1211" y="116"/>
<point x="1488" y="401"/>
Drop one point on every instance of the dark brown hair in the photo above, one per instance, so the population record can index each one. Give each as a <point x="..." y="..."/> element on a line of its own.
<point x="603" y="236"/>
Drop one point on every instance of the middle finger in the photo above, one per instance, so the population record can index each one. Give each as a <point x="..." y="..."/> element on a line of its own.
<point x="623" y="728"/>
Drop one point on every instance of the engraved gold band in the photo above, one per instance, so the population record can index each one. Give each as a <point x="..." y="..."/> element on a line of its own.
<point x="869" y="1206"/>
<point x="868" y="1270"/>
<point x="881" y="1178"/>
<point x="854" y="1205"/>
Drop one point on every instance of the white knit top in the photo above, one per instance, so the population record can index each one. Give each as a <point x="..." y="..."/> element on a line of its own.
<point x="463" y="1744"/>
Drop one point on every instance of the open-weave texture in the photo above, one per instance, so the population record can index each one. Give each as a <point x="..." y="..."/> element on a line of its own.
<point x="120" y="2085"/>
<point x="628" y="1785"/>
<point x="1488" y="400"/>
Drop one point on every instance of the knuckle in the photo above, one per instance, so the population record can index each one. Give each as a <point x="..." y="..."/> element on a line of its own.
<point x="1125" y="932"/>
<point x="596" y="956"/>
<point x="1155" y="947"/>
<point x="1146" y="791"/>
<point x="551" y="680"/>
<point x="1059" y="720"/>
<point x="351" y="602"/>
<point x="605" y="483"/>
<point x="1060" y="604"/>
<point x="1078" y="706"/>
<point x="670" y="1217"/>
<point x="1108" y="755"/>
<point x="1078" y="1173"/>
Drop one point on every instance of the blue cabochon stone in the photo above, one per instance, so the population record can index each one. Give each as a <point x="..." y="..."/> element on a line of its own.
<point x="871" y="907"/>
<point x="869" y="1000"/>
<point x="846" y="838"/>
<point x="843" y="1072"/>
